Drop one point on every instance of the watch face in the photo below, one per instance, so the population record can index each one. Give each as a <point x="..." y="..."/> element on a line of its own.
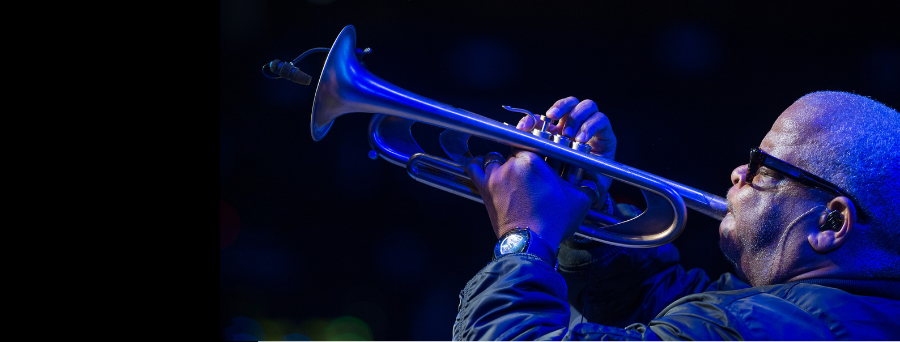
<point x="513" y="243"/>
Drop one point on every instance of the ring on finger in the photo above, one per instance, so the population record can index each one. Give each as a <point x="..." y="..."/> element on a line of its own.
<point x="493" y="157"/>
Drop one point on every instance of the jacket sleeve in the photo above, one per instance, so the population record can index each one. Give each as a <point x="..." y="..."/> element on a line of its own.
<point x="516" y="297"/>
<point x="520" y="297"/>
<point x="617" y="286"/>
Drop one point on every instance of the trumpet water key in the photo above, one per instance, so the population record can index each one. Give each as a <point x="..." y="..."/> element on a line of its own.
<point x="346" y="86"/>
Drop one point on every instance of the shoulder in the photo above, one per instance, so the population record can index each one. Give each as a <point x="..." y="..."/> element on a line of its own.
<point x="781" y="312"/>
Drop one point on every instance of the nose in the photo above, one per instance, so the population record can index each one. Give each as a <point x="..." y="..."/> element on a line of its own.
<point x="739" y="176"/>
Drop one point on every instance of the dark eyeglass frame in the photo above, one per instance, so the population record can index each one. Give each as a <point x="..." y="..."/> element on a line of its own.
<point x="758" y="158"/>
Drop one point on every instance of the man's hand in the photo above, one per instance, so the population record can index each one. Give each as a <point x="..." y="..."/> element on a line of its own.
<point x="526" y="192"/>
<point x="582" y="121"/>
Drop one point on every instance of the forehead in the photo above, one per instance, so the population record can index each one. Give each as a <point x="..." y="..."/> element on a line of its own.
<point x="800" y="128"/>
<point x="813" y="123"/>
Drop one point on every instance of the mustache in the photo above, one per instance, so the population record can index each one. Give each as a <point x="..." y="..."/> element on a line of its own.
<point x="729" y="204"/>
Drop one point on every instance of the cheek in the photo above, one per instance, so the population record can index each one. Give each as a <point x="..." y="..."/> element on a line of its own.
<point x="748" y="200"/>
<point x="761" y="223"/>
<point x="752" y="212"/>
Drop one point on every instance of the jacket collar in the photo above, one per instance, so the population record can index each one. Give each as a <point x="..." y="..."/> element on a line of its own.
<point x="873" y="288"/>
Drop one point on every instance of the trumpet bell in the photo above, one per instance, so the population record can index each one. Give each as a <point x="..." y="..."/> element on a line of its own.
<point x="339" y="68"/>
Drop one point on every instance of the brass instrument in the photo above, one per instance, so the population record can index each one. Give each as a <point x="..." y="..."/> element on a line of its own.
<point x="345" y="86"/>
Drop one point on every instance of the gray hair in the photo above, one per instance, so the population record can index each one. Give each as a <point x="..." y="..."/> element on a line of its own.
<point x="858" y="148"/>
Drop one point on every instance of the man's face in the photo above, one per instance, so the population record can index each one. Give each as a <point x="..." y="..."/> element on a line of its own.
<point x="768" y="213"/>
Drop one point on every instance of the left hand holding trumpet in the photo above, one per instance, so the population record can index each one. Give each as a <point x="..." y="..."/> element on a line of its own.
<point x="525" y="192"/>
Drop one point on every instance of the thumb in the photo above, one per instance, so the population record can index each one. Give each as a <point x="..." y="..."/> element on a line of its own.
<point x="476" y="173"/>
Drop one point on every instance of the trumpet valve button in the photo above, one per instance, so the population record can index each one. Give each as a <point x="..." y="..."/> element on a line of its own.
<point x="582" y="147"/>
<point x="546" y="123"/>
<point x="542" y="134"/>
<point x="562" y="140"/>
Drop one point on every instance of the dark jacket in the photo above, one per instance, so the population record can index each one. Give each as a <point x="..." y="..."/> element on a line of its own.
<point x="520" y="297"/>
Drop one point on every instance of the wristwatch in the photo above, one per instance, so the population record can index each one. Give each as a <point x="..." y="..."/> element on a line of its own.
<point x="523" y="240"/>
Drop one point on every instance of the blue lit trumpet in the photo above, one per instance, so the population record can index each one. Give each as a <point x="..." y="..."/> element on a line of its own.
<point x="345" y="86"/>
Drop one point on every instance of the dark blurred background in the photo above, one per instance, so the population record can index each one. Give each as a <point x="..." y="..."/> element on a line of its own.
<point x="317" y="241"/>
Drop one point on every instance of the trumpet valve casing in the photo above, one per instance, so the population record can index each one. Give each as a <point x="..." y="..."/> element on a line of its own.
<point x="574" y="174"/>
<point x="557" y="165"/>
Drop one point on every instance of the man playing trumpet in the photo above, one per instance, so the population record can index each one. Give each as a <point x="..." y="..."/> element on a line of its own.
<point x="812" y="230"/>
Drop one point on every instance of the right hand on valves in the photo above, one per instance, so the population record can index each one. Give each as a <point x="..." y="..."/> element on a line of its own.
<point x="585" y="123"/>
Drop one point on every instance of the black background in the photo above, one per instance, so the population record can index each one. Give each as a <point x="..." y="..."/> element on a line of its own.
<point x="318" y="241"/>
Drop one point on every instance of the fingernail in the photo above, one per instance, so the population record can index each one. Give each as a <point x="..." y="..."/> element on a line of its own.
<point x="552" y="113"/>
<point x="568" y="131"/>
<point x="521" y="124"/>
<point x="581" y="137"/>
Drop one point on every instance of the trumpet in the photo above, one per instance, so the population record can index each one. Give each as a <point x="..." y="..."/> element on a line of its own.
<point x="346" y="86"/>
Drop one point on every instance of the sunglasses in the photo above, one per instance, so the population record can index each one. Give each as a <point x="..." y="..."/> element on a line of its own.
<point x="758" y="159"/>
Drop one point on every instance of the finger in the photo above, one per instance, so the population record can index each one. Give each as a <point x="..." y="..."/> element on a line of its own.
<point x="476" y="173"/>
<point x="590" y="189"/>
<point x="525" y="124"/>
<point x="597" y="126"/>
<point x="553" y="128"/>
<point x="560" y="111"/>
<point x="526" y="157"/>
<point x="562" y="107"/>
<point x="597" y="131"/>
<point x="490" y="167"/>
<point x="513" y="152"/>
<point x="589" y="184"/>
<point x="584" y="110"/>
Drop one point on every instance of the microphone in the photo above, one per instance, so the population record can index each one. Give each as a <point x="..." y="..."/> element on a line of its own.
<point x="288" y="71"/>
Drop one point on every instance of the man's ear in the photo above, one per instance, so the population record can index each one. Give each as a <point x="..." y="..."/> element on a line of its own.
<point x="835" y="226"/>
